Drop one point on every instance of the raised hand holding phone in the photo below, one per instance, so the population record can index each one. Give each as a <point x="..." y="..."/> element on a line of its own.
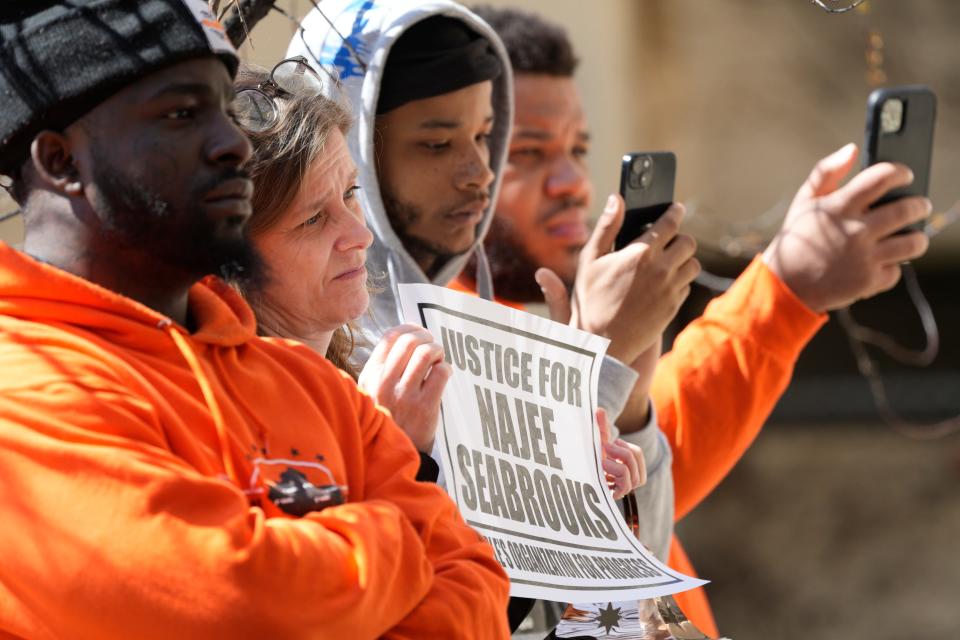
<point x="833" y="248"/>
<point x="628" y="296"/>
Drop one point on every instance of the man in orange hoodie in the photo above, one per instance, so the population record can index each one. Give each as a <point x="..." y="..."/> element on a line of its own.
<point x="166" y="472"/>
<point x="714" y="390"/>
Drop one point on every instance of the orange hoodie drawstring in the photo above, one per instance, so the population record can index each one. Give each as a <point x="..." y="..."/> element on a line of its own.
<point x="218" y="422"/>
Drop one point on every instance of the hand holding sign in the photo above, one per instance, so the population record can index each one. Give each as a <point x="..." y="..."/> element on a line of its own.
<point x="623" y="462"/>
<point x="522" y="454"/>
<point x="406" y="374"/>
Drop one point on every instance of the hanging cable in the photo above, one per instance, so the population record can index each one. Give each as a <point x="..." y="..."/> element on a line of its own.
<point x="837" y="6"/>
<point x="859" y="337"/>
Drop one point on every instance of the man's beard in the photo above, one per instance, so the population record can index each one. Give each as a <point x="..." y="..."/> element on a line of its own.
<point x="183" y="240"/>
<point x="511" y="265"/>
<point x="402" y="216"/>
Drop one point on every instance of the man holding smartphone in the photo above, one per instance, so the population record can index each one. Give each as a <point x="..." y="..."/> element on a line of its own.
<point x="713" y="392"/>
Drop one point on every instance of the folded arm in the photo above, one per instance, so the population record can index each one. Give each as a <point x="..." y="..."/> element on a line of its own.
<point x="111" y="529"/>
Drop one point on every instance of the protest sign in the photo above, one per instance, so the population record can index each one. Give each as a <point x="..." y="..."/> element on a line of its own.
<point x="520" y="451"/>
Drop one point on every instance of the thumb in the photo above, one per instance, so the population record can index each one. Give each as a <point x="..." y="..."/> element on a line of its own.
<point x="829" y="172"/>
<point x="605" y="232"/>
<point x="604" y="426"/>
<point x="554" y="294"/>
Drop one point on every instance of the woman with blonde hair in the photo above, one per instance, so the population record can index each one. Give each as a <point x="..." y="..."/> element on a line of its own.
<point x="310" y="232"/>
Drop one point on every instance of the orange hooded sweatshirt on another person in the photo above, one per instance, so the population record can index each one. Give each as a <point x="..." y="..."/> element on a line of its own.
<point x="159" y="483"/>
<point x="716" y="387"/>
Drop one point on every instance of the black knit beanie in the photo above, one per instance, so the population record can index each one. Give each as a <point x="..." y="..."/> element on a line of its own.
<point x="61" y="58"/>
<point x="435" y="56"/>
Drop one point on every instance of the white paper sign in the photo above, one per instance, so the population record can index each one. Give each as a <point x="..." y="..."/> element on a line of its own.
<point x="520" y="451"/>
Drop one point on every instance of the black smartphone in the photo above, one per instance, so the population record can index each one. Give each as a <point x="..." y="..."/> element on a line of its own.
<point x="646" y="184"/>
<point x="900" y="129"/>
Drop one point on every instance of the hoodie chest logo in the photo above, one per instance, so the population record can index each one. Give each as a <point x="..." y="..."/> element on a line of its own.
<point x="295" y="487"/>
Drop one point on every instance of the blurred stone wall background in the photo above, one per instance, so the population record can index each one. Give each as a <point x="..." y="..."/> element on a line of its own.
<point x="833" y="524"/>
<point x="748" y="94"/>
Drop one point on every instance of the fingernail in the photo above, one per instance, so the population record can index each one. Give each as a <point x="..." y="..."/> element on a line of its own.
<point x="929" y="204"/>
<point x="611" y="205"/>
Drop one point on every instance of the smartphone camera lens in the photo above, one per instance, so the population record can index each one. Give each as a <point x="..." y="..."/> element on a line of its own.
<point x="641" y="172"/>
<point x="891" y="116"/>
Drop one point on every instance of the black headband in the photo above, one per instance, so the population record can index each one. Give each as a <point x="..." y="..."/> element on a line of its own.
<point x="435" y="56"/>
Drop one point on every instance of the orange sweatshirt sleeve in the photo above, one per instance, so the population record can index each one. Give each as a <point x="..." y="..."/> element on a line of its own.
<point x="716" y="387"/>
<point x="469" y="592"/>
<point x="117" y="537"/>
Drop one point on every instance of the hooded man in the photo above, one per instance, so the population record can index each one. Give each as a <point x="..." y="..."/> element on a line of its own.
<point x="726" y="371"/>
<point x="166" y="471"/>
<point x="431" y="86"/>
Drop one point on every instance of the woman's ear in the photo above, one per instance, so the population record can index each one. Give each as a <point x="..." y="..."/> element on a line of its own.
<point x="52" y="157"/>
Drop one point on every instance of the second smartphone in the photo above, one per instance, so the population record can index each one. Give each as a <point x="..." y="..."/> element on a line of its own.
<point x="646" y="184"/>
<point x="899" y="128"/>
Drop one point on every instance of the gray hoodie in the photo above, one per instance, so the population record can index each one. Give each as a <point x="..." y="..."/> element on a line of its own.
<point x="370" y="28"/>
